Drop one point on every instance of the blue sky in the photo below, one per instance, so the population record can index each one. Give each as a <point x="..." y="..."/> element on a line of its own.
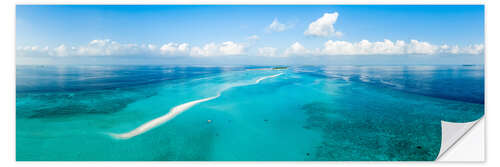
<point x="427" y="34"/>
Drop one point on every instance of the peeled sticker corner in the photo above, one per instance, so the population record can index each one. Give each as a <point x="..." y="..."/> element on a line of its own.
<point x="451" y="133"/>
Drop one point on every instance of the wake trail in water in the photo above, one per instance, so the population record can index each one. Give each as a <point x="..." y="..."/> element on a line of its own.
<point x="176" y="111"/>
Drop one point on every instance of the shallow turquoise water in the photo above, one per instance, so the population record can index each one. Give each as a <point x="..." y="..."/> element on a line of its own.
<point x="308" y="113"/>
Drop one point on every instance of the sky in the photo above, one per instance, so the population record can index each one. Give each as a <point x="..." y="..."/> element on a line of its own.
<point x="251" y="35"/>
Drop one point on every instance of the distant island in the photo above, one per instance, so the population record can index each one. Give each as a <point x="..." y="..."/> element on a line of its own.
<point x="273" y="68"/>
<point x="279" y="68"/>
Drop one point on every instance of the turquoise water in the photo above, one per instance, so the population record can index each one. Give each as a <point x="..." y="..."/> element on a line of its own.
<point x="309" y="113"/>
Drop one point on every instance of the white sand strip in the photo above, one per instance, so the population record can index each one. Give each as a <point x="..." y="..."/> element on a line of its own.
<point x="260" y="79"/>
<point x="174" y="112"/>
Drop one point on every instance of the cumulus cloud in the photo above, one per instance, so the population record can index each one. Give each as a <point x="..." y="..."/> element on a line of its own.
<point x="103" y="47"/>
<point x="61" y="50"/>
<point x="31" y="50"/>
<point x="231" y="48"/>
<point x="298" y="49"/>
<point x="223" y="49"/>
<point x="420" y="47"/>
<point x="174" y="49"/>
<point x="108" y="47"/>
<point x="207" y="50"/>
<point x="364" y="47"/>
<point x="471" y="49"/>
<point x="277" y="26"/>
<point x="385" y="47"/>
<point x="323" y="27"/>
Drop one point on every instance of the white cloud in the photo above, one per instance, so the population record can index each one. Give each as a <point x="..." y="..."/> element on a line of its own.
<point x="298" y="49"/>
<point x="231" y="48"/>
<point x="223" y="49"/>
<point x="364" y="47"/>
<point x="61" y="50"/>
<point x="474" y="49"/>
<point x="31" y="50"/>
<point x="174" y="49"/>
<point x="207" y="50"/>
<point x="277" y="26"/>
<point x="420" y="47"/>
<point x="151" y="47"/>
<point x="108" y="47"/>
<point x="268" y="51"/>
<point x="471" y="49"/>
<point x="385" y="47"/>
<point x="323" y="27"/>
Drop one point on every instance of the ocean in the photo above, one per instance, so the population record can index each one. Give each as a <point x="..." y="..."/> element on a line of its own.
<point x="240" y="113"/>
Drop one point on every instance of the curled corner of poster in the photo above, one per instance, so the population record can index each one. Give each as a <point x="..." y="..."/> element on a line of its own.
<point x="452" y="133"/>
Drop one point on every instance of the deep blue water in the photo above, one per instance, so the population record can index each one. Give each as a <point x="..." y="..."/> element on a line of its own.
<point x="307" y="113"/>
<point x="454" y="82"/>
<point x="77" y="78"/>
